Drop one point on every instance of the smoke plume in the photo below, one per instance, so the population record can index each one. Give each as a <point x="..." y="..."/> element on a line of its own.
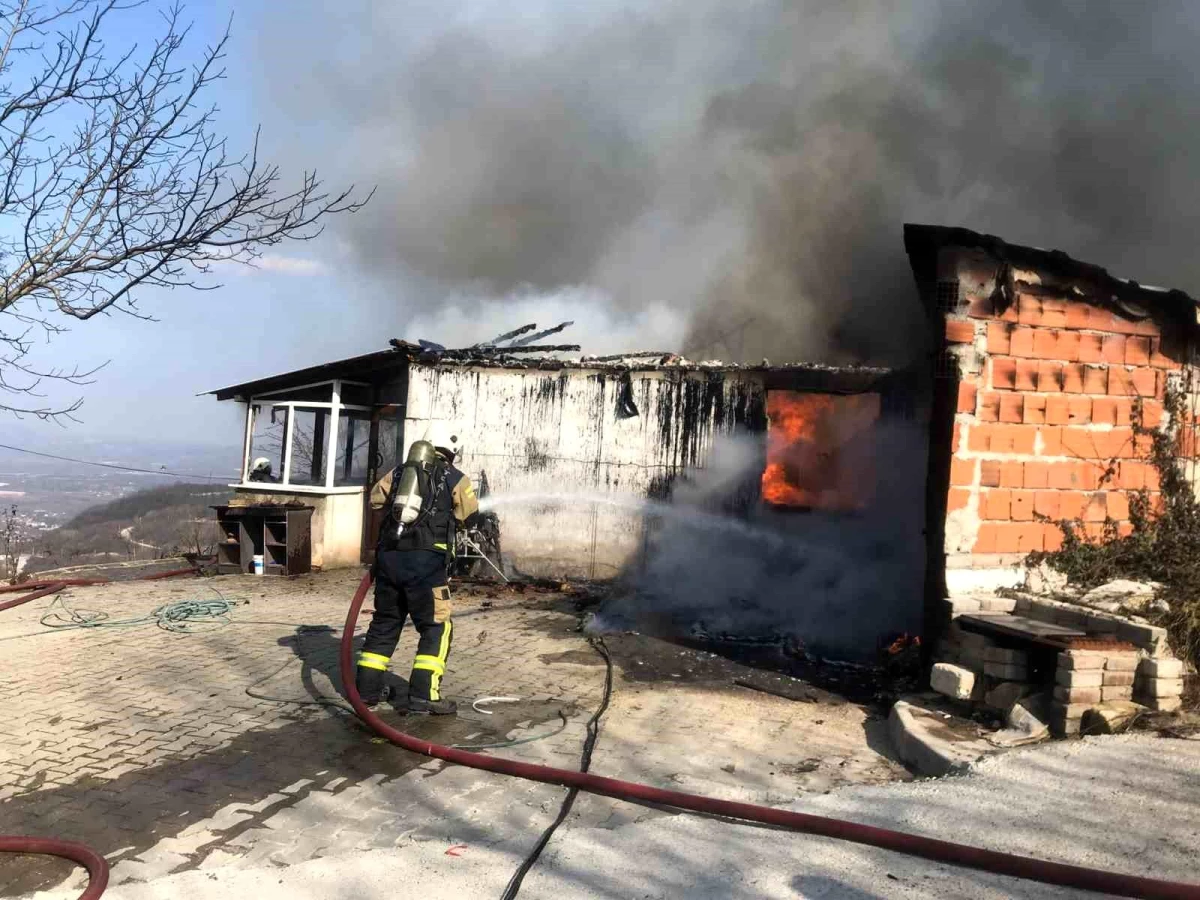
<point x="744" y="164"/>
<point x="837" y="582"/>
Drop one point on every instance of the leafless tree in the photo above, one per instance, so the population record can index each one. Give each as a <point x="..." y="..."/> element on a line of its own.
<point x="112" y="178"/>
<point x="11" y="539"/>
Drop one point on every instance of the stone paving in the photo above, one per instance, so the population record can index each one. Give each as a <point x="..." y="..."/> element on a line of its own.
<point x="146" y="744"/>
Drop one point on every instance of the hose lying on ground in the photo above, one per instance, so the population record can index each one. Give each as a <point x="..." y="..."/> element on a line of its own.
<point x="914" y="845"/>
<point x="45" y="588"/>
<point x="96" y="865"/>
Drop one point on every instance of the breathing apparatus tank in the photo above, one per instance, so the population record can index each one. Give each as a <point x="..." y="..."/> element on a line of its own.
<point x="407" y="505"/>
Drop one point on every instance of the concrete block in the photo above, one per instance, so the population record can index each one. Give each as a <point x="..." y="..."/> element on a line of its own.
<point x="1074" y="696"/>
<point x="1060" y="710"/>
<point x="1079" y="678"/>
<point x="1071" y="617"/>
<point x="1162" y="704"/>
<point x="956" y="606"/>
<point x="1080" y="659"/>
<point x="1110" y="717"/>
<point x="1161" y="668"/>
<point x="1145" y="636"/>
<point x="1122" y="662"/>
<point x="1118" y="679"/>
<point x="1007" y="657"/>
<point x="1006" y="672"/>
<point x="1115" y="693"/>
<point x="1022" y="605"/>
<point x="1042" y="610"/>
<point x="1160" y="687"/>
<point x="998" y="604"/>
<point x="1102" y="625"/>
<point x="953" y="681"/>
<point x="1003" y="696"/>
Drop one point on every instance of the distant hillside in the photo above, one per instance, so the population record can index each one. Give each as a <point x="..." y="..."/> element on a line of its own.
<point x="150" y="524"/>
<point x="140" y="503"/>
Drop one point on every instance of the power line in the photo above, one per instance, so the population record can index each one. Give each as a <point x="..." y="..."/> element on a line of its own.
<point x="87" y="462"/>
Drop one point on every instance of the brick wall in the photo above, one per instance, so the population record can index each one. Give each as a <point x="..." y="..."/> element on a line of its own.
<point x="1047" y="391"/>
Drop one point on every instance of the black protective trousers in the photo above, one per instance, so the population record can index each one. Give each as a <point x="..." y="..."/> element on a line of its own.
<point x="411" y="583"/>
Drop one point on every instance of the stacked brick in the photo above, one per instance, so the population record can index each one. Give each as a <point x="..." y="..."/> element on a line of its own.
<point x="1160" y="684"/>
<point x="1087" y="678"/>
<point x="1046" y="400"/>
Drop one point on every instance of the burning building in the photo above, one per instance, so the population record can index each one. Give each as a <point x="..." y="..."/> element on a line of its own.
<point x="869" y="493"/>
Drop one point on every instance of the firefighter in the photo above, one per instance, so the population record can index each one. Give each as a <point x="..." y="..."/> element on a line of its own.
<point x="411" y="565"/>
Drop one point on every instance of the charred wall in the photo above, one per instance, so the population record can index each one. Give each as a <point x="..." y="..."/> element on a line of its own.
<point x="571" y="455"/>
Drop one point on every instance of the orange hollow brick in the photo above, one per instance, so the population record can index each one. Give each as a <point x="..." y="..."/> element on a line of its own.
<point x="1012" y="474"/>
<point x="998" y="340"/>
<point x="1071" y="504"/>
<point x="1021" y="506"/>
<point x="1052" y="537"/>
<point x="1096" y="509"/>
<point x="1145" y="382"/>
<point x="1034" y="409"/>
<point x="959" y="331"/>
<point x="1090" y="348"/>
<point x="1117" y="505"/>
<point x="1137" y="351"/>
<point x="1049" y="376"/>
<point x="958" y="498"/>
<point x="1072" y="378"/>
<point x="1012" y="408"/>
<point x="1113" y="349"/>
<point x="989" y="473"/>
<point x="989" y="406"/>
<point x="1026" y="375"/>
<point x="1095" y="380"/>
<point x="967" y="391"/>
<point x="1003" y="373"/>
<point x="1054" y="312"/>
<point x="1077" y="314"/>
<point x="997" y="504"/>
<point x="1067" y="345"/>
<point x="985" y="539"/>
<point x="1045" y="344"/>
<point x="1020" y="342"/>
<point x="1046" y="504"/>
<point x="1036" y="474"/>
<point x="1058" y="409"/>
<point x="1079" y="410"/>
<point x="962" y="471"/>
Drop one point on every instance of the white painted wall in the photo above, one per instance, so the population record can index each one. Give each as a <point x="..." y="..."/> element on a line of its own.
<point x="554" y="437"/>
<point x="337" y="522"/>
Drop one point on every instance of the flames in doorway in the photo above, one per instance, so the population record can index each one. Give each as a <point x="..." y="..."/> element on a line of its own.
<point x="820" y="450"/>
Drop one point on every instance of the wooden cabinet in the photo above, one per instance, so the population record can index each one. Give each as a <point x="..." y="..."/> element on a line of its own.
<point x="281" y="534"/>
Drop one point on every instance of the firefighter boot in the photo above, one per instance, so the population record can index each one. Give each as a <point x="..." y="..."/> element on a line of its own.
<point x="418" y="706"/>
<point x="370" y="685"/>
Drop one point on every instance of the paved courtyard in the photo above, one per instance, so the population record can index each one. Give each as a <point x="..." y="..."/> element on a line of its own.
<point x="178" y="753"/>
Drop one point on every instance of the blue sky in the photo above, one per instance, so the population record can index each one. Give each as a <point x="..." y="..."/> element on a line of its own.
<point x="294" y="311"/>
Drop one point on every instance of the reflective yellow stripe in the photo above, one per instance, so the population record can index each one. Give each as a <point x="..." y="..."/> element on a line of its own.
<point x="373" y="661"/>
<point x="444" y="649"/>
<point x="439" y="546"/>
<point x="429" y="664"/>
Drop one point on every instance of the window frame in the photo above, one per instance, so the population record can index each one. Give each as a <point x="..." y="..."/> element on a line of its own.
<point x="279" y="399"/>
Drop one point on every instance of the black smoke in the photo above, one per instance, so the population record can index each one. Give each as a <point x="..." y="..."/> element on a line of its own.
<point x="747" y="163"/>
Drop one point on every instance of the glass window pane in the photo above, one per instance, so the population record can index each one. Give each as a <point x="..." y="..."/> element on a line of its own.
<point x="310" y="442"/>
<point x="387" y="453"/>
<point x="353" y="448"/>
<point x="266" y="442"/>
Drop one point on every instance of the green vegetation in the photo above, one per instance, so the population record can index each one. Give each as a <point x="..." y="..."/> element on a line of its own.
<point x="159" y="522"/>
<point x="1164" y="545"/>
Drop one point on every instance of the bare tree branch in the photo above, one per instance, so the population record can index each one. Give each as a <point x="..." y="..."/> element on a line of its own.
<point x="112" y="177"/>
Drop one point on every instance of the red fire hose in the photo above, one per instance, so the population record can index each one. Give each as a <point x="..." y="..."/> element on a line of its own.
<point x="911" y="844"/>
<point x="96" y="865"/>
<point x="45" y="588"/>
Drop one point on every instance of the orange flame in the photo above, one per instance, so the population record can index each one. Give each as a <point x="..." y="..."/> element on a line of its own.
<point x="816" y="452"/>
